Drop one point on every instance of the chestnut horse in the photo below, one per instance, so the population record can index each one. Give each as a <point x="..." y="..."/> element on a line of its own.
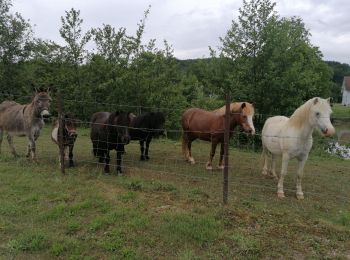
<point x="210" y="126"/>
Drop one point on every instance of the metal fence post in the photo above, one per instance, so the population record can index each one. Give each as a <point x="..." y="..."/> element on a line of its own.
<point x="61" y="123"/>
<point x="226" y="146"/>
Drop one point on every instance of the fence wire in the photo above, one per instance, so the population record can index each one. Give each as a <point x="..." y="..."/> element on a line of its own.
<point x="167" y="161"/>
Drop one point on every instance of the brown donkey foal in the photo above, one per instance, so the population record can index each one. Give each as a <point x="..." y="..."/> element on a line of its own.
<point x="69" y="136"/>
<point x="24" y="120"/>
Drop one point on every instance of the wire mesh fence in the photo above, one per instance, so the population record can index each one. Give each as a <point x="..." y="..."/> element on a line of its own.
<point x="167" y="163"/>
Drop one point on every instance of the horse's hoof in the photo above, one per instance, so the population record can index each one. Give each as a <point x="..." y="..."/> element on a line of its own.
<point x="142" y="158"/>
<point x="280" y="195"/>
<point x="209" y="168"/>
<point x="191" y="161"/>
<point x="221" y="167"/>
<point x="147" y="157"/>
<point x="300" y="196"/>
<point x="264" y="172"/>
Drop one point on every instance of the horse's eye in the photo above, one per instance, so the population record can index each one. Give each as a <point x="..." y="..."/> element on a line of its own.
<point x="317" y="114"/>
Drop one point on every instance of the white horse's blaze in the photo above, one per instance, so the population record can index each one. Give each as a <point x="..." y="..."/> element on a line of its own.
<point x="250" y="122"/>
<point x="292" y="138"/>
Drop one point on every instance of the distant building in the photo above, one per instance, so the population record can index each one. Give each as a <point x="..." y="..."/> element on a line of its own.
<point x="345" y="89"/>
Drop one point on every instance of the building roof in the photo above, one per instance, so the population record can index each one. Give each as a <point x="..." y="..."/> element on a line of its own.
<point x="346" y="83"/>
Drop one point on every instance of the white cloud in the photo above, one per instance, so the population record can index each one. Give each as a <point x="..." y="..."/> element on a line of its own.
<point x="190" y="25"/>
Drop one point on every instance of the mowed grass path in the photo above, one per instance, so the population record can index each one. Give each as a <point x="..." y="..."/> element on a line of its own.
<point x="167" y="209"/>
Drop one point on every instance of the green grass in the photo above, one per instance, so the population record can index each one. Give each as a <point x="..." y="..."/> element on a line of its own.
<point x="340" y="111"/>
<point x="168" y="209"/>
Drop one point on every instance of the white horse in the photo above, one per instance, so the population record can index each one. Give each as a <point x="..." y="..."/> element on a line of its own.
<point x="292" y="138"/>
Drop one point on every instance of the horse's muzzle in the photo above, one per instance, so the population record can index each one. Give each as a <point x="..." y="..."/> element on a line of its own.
<point x="328" y="132"/>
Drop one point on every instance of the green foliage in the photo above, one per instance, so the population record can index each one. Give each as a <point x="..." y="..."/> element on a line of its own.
<point x="272" y="60"/>
<point x="339" y="71"/>
<point x="264" y="59"/>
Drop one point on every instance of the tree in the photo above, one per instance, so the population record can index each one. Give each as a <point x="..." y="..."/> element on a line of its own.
<point x="273" y="62"/>
<point x="339" y="71"/>
<point x="16" y="38"/>
<point x="74" y="51"/>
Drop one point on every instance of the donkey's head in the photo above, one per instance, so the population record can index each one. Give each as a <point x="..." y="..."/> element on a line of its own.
<point x="70" y="129"/>
<point x="41" y="102"/>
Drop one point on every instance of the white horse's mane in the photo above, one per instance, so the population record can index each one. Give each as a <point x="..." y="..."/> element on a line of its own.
<point x="302" y="114"/>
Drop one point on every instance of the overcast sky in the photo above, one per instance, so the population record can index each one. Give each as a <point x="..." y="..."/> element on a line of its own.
<point x="190" y="26"/>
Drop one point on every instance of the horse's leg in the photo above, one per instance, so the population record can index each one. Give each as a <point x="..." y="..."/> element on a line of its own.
<point x="1" y="136"/>
<point x="107" y="160"/>
<point x="300" y="173"/>
<point x="185" y="150"/>
<point x="285" y="160"/>
<point x="221" y="165"/>
<point x="273" y="166"/>
<point x="265" y="170"/>
<point x="209" y="165"/>
<point x="12" y="148"/>
<point x="148" y="140"/>
<point x="71" y="162"/>
<point x="189" y="147"/>
<point x="142" y="149"/>
<point x="119" y="160"/>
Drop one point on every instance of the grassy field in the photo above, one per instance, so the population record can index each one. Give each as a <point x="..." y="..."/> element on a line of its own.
<point x="167" y="209"/>
<point x="340" y="111"/>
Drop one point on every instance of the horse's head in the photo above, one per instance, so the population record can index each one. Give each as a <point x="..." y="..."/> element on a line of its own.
<point x="70" y="127"/>
<point x="122" y="123"/>
<point x="246" y="114"/>
<point x="42" y="103"/>
<point x="320" y="113"/>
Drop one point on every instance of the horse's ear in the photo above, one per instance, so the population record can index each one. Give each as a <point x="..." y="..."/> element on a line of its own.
<point x="329" y="100"/>
<point x="243" y="105"/>
<point x="315" y="101"/>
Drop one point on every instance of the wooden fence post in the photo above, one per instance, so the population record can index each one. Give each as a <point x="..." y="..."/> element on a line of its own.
<point x="226" y="146"/>
<point x="61" y="123"/>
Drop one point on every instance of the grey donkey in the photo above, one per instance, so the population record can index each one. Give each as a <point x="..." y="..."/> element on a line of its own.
<point x="24" y="120"/>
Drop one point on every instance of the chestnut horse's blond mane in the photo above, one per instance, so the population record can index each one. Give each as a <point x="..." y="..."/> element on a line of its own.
<point x="249" y="109"/>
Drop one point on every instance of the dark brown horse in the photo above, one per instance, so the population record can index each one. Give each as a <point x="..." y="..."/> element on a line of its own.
<point x="144" y="127"/>
<point x="109" y="131"/>
<point x="209" y="126"/>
